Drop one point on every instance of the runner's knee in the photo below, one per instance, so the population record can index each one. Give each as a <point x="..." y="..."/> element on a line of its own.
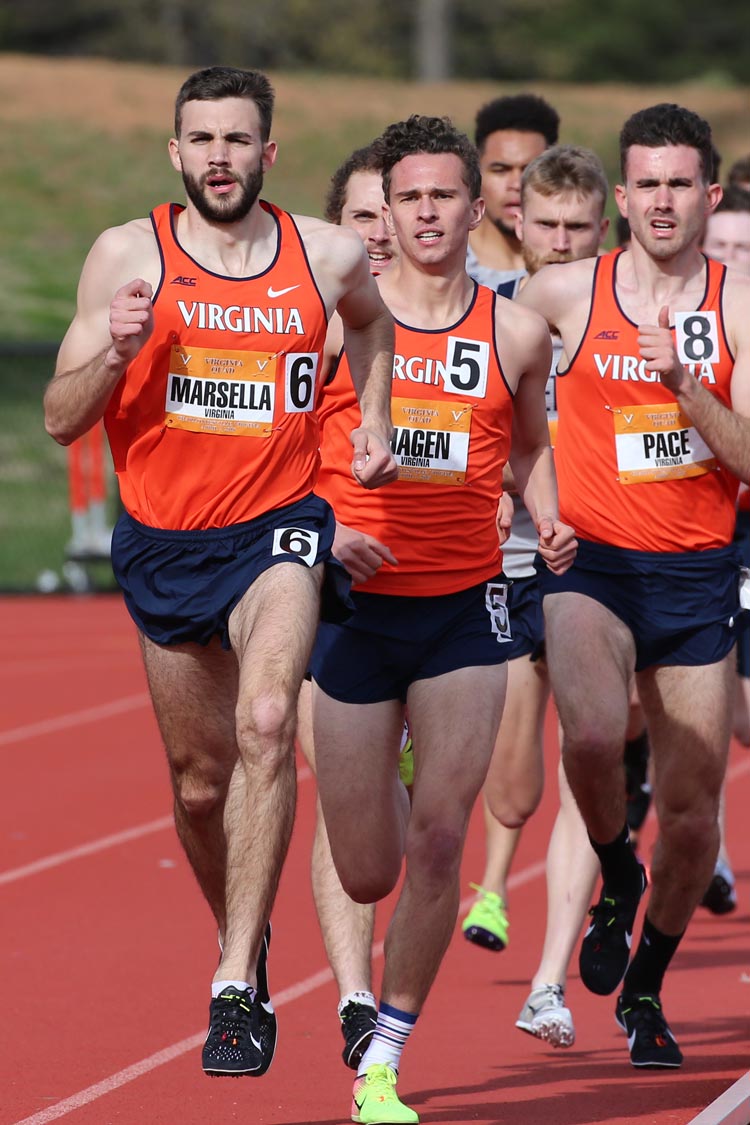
<point x="265" y="727"/>
<point x="200" y="797"/>
<point x="513" y="809"/>
<point x="688" y="832"/>
<point x="434" y="852"/>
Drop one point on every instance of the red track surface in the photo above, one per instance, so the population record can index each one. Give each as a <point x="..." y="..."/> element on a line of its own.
<point x="107" y="955"/>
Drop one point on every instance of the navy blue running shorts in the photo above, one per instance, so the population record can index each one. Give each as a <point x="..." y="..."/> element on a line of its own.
<point x="680" y="606"/>
<point x="181" y="586"/>
<point x="392" y="640"/>
<point x="742" y="542"/>
<point x="525" y="605"/>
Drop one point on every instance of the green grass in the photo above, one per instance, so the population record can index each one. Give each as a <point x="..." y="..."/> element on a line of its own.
<point x="34" y="512"/>
<point x="84" y="148"/>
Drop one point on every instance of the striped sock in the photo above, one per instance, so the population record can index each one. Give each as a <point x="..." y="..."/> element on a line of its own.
<point x="393" y="1029"/>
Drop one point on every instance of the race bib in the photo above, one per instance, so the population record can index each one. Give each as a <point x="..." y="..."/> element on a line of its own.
<point x="431" y="440"/>
<point x="696" y="336"/>
<point x="656" y="443"/>
<point x="214" y="391"/>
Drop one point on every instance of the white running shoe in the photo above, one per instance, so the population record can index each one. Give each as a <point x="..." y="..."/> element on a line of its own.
<point x="544" y="1015"/>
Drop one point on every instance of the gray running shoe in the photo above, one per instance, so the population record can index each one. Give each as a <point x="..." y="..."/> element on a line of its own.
<point x="544" y="1015"/>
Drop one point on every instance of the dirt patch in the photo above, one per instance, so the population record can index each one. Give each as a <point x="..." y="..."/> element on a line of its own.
<point x="123" y="97"/>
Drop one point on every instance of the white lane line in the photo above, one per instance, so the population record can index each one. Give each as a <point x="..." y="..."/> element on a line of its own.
<point x="82" y="850"/>
<point x="730" y="1108"/>
<point x="100" y="845"/>
<point x="74" y="719"/>
<point x="168" y="1054"/>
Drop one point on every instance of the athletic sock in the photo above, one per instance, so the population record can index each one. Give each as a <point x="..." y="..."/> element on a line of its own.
<point x="620" y="868"/>
<point x="391" y="1032"/>
<point x="218" y="987"/>
<point x="655" y="951"/>
<point x="360" y="996"/>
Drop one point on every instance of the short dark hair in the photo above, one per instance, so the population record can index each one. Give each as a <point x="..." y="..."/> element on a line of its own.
<point x="216" y="82"/>
<point x="669" y="124"/>
<point x="566" y="168"/>
<point x="526" y="113"/>
<point x="739" y="173"/>
<point x="431" y="135"/>
<point x="366" y="159"/>
<point x="734" y="199"/>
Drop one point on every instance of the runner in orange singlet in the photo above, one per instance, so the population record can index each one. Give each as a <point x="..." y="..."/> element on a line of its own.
<point x="355" y="200"/>
<point x="654" y="404"/>
<point x="431" y="627"/>
<point x="200" y="335"/>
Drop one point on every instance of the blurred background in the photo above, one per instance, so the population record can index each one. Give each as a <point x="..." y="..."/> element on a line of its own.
<point x="86" y="104"/>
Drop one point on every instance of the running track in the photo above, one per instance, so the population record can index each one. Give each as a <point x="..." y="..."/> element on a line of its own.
<point x="107" y="949"/>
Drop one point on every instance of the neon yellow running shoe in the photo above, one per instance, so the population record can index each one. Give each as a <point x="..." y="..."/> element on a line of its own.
<point x="487" y="923"/>
<point x="406" y="760"/>
<point x="375" y="1101"/>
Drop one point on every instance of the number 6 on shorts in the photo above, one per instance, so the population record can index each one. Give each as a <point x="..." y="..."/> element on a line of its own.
<point x="297" y="541"/>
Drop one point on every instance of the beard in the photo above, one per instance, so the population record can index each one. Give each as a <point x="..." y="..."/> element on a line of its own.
<point x="220" y="209"/>
<point x="507" y="229"/>
<point x="534" y="262"/>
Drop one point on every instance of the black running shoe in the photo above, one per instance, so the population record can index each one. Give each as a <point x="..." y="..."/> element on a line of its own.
<point x="266" y="1015"/>
<point x="357" y="1026"/>
<point x="720" y="896"/>
<point x="233" y="1046"/>
<point x="605" y="950"/>
<point x="649" y="1038"/>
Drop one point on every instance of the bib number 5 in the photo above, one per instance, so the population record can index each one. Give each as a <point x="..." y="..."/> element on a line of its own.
<point x="466" y="365"/>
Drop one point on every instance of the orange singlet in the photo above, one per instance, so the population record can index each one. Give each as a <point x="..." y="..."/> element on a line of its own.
<point x="213" y="423"/>
<point x="632" y="470"/>
<point x="452" y="412"/>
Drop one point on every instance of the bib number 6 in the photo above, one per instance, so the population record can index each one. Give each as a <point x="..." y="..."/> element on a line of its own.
<point x="297" y="541"/>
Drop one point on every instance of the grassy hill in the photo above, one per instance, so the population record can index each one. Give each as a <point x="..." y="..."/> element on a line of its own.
<point x="85" y="148"/>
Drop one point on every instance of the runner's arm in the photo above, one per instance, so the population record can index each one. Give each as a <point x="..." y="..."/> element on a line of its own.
<point x="726" y="431"/>
<point x="532" y="461"/>
<point x="368" y="342"/>
<point x="104" y="336"/>
<point x="361" y="554"/>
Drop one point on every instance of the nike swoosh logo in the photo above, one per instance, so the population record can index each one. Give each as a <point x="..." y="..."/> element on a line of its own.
<point x="628" y="939"/>
<point x="631" y="1041"/>
<point x="267" y="1008"/>
<point x="255" y="1042"/>
<point x="274" y="293"/>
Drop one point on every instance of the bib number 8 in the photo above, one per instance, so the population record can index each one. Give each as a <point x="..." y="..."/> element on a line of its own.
<point x="697" y="337"/>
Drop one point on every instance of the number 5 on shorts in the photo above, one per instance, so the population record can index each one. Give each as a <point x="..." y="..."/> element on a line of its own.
<point x="296" y="541"/>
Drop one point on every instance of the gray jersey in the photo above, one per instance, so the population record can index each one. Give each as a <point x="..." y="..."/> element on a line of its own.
<point x="505" y="282"/>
